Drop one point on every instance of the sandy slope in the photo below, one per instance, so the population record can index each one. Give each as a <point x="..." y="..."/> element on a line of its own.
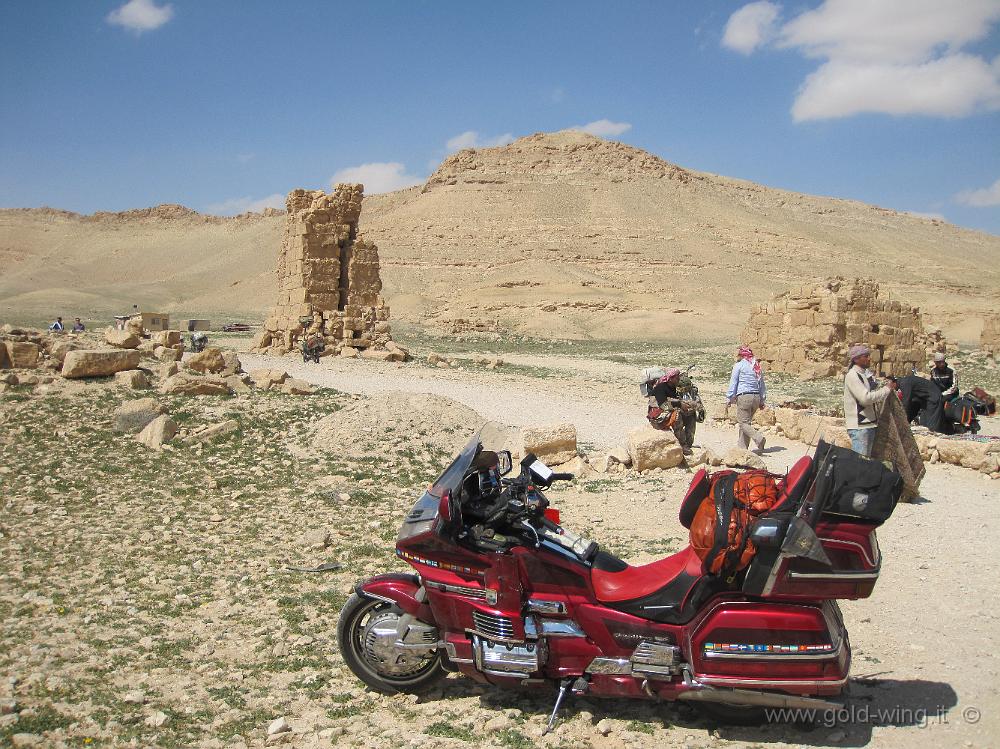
<point x="559" y="234"/>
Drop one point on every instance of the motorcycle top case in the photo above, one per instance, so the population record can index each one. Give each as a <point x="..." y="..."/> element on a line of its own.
<point x="851" y="485"/>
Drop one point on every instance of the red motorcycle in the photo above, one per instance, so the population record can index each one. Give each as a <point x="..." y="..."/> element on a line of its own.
<point x="505" y="595"/>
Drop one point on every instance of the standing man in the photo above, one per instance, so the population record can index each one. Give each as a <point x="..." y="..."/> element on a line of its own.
<point x="678" y="413"/>
<point x="944" y="377"/>
<point x="861" y="394"/>
<point x="748" y="392"/>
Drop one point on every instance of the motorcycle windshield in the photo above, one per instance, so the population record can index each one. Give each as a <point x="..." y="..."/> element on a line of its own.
<point x="425" y="510"/>
<point x="490" y="436"/>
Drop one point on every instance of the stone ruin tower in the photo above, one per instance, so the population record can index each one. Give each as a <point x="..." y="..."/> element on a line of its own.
<point x="807" y="331"/>
<point x="328" y="277"/>
<point x="989" y="339"/>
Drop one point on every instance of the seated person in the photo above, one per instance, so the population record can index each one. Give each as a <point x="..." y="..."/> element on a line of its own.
<point x="670" y="411"/>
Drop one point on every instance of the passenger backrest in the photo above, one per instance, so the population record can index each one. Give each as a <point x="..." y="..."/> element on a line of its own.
<point x="696" y="492"/>
<point x="793" y="487"/>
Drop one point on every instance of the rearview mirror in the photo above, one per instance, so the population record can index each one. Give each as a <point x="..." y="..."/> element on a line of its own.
<point x="504" y="462"/>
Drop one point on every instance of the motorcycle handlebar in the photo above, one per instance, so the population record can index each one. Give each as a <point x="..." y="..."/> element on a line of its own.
<point x="561" y="477"/>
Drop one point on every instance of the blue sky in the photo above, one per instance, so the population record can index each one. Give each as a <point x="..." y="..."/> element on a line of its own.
<point x="224" y="105"/>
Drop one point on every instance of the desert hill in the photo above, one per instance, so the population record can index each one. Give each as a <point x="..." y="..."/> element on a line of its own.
<point x="560" y="234"/>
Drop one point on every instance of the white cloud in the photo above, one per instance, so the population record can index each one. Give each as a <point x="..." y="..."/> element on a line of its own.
<point x="751" y="26"/>
<point x="140" y="15"/>
<point x="604" y="128"/>
<point x="898" y="57"/>
<point x="953" y="86"/>
<point x="983" y="198"/>
<point x="472" y="139"/>
<point x="377" y="176"/>
<point x="241" y="205"/>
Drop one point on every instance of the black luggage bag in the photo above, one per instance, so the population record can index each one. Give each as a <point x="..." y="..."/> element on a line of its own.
<point x="851" y="485"/>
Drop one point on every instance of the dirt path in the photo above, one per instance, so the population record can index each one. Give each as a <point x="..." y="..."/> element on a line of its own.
<point x="924" y="643"/>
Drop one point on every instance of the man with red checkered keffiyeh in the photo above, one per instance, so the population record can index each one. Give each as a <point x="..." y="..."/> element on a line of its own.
<point x="748" y="391"/>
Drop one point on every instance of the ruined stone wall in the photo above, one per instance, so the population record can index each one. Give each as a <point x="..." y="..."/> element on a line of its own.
<point x="989" y="339"/>
<point x="328" y="277"/>
<point x="807" y="331"/>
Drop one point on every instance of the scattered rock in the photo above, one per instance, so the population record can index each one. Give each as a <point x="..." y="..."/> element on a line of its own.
<point x="158" y="432"/>
<point x="552" y="444"/>
<point x="99" y="363"/>
<point x="136" y="697"/>
<point x="25" y="739"/>
<point x="279" y="725"/>
<point x="134" y="379"/>
<point x="135" y="415"/>
<point x="737" y="457"/>
<point x="209" y="361"/>
<point x="349" y="352"/>
<point x="297" y="387"/>
<point x="605" y="726"/>
<point x="212" y="431"/>
<point x="168" y="338"/>
<point x="121" y="338"/>
<point x="650" y="448"/>
<point x="167" y="353"/>
<point x="237" y="383"/>
<point x="315" y="539"/>
<point x="22" y="354"/>
<point x="268" y="378"/>
<point x="497" y="723"/>
<point x="157" y="719"/>
<point x="187" y="384"/>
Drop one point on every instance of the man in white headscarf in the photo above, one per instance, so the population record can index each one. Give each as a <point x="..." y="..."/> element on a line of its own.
<point x="861" y="394"/>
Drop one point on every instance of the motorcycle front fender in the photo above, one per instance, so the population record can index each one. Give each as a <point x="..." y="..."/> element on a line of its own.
<point x="400" y="589"/>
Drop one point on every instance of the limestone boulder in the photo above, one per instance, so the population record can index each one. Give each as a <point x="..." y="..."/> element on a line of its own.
<point x="98" y="363"/>
<point x="158" y="432"/>
<point x="268" y="378"/>
<point x="651" y="448"/>
<point x="349" y="352"/>
<point x="209" y="361"/>
<point x="211" y="431"/>
<point x="377" y="355"/>
<point x="167" y="353"/>
<point x="58" y="350"/>
<point x="134" y="379"/>
<point x="22" y="354"/>
<point x="238" y="383"/>
<point x="553" y="444"/>
<point x="232" y="362"/>
<point x="737" y="457"/>
<point x="183" y="383"/>
<point x="167" y="370"/>
<point x="292" y="386"/>
<point x="166" y="338"/>
<point x="121" y="338"/>
<point x="963" y="452"/>
<point x="135" y="415"/>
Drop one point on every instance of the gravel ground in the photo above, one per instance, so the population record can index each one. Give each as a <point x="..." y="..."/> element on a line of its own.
<point x="924" y="643"/>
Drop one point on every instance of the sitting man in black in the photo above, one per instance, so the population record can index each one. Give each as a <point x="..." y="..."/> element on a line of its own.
<point x="944" y="377"/>
<point x="676" y="414"/>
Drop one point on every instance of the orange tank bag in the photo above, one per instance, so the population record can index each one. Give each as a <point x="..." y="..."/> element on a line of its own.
<point x="720" y="531"/>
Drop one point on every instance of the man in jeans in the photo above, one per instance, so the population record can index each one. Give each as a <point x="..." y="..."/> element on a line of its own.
<point x="748" y="392"/>
<point x="861" y="394"/>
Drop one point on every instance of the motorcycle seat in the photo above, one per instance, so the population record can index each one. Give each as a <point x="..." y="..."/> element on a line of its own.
<point x="614" y="580"/>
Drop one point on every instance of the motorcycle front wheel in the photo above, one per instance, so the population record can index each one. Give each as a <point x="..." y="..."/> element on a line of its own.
<point x="365" y="651"/>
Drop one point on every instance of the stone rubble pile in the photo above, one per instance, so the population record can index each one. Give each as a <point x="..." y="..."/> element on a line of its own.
<point x="328" y="280"/>
<point x="807" y="331"/>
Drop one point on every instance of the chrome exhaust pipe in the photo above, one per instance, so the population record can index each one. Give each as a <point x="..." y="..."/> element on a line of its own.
<point x="756" y="698"/>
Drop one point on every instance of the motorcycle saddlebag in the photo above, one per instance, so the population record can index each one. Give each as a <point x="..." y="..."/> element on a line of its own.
<point x="854" y="486"/>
